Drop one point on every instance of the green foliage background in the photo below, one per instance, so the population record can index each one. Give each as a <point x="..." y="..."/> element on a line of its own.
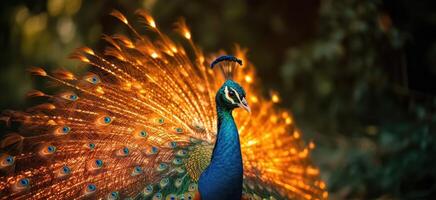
<point x="341" y="66"/>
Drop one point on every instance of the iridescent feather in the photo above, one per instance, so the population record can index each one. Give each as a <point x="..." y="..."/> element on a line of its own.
<point x="142" y="124"/>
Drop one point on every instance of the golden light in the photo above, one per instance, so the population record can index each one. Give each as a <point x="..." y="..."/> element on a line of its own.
<point x="273" y="119"/>
<point x="321" y="184"/>
<point x="201" y="59"/>
<point x="99" y="90"/>
<point x="288" y="120"/>
<point x="174" y="49"/>
<point x="312" y="171"/>
<point x="154" y="55"/>
<point x="82" y="58"/>
<point x="311" y="145"/>
<point x="275" y="98"/>
<point x="251" y="142"/>
<point x="88" y="50"/>
<point x="296" y="134"/>
<point x="152" y="23"/>
<point x="187" y="35"/>
<point x="120" y="16"/>
<point x="148" y="18"/>
<point x="248" y="79"/>
<point x="254" y="99"/>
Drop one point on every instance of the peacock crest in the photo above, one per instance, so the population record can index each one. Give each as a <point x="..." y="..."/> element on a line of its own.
<point x="142" y="124"/>
<point x="227" y="65"/>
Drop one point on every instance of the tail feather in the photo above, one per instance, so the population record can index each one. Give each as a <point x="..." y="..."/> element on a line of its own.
<point x="142" y="123"/>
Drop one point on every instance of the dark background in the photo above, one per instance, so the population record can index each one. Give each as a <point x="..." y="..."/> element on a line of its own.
<point x="359" y="76"/>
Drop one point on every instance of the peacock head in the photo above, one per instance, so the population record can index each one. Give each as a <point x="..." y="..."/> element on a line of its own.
<point x="231" y="95"/>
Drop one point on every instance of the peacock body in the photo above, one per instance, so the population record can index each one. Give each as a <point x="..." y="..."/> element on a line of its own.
<point x="222" y="179"/>
<point x="146" y="122"/>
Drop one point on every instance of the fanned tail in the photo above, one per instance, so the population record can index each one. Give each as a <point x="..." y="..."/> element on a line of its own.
<point x="141" y="124"/>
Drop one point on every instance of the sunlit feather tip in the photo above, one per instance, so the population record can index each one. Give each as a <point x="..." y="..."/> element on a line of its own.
<point x="119" y="15"/>
<point x="86" y="50"/>
<point x="37" y="71"/>
<point x="64" y="74"/>
<point x="147" y="17"/>
<point x="35" y="93"/>
<point x="183" y="29"/>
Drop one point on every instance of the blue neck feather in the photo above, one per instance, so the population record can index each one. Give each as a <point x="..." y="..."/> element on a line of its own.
<point x="223" y="177"/>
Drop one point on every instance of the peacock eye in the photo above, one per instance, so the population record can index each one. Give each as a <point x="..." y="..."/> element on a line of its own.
<point x="126" y="150"/>
<point x="107" y="120"/>
<point x="24" y="182"/>
<point x="71" y="96"/>
<point x="143" y="133"/>
<point x="94" y="79"/>
<point x="98" y="163"/>
<point x="66" y="169"/>
<point x="51" y="149"/>
<point x="113" y="195"/>
<point x="91" y="188"/>
<point x="231" y="93"/>
<point x="66" y="129"/>
<point x="8" y="161"/>
<point x="138" y="169"/>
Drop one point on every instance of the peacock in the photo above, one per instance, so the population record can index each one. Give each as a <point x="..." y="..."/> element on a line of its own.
<point x="151" y="119"/>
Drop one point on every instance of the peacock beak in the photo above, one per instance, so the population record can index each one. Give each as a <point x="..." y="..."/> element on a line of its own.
<point x="243" y="104"/>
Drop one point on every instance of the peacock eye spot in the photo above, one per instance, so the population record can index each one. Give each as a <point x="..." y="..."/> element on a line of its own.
<point x="94" y="79"/>
<point x="99" y="163"/>
<point x="107" y="119"/>
<point x="179" y="130"/>
<point x="126" y="150"/>
<point x="9" y="159"/>
<point x="66" y="169"/>
<point x="114" y="194"/>
<point x="65" y="129"/>
<point x="73" y="97"/>
<point x="91" y="187"/>
<point x="24" y="181"/>
<point x="173" y="144"/>
<point x="51" y="149"/>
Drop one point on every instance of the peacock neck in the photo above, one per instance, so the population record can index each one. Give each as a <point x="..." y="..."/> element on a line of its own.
<point x="227" y="150"/>
<point x="223" y="177"/>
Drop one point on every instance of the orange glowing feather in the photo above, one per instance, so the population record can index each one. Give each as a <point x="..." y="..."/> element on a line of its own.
<point x="142" y="125"/>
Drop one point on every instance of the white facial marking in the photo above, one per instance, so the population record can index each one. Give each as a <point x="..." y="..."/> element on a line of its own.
<point x="226" y="92"/>
<point x="237" y="94"/>
<point x="242" y="102"/>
